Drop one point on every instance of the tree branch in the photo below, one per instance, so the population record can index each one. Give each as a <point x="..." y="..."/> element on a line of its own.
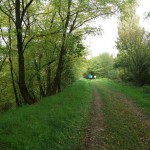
<point x="89" y="19"/>
<point x="3" y="61"/>
<point x="47" y="64"/>
<point x="25" y="9"/>
<point x="8" y="15"/>
<point x="27" y="43"/>
<point x="74" y="21"/>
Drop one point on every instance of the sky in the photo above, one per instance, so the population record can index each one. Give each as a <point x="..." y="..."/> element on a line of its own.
<point x="106" y="42"/>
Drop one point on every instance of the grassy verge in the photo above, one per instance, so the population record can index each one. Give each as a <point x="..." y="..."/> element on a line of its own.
<point x="140" y="95"/>
<point x="56" y="123"/>
<point x="123" y="129"/>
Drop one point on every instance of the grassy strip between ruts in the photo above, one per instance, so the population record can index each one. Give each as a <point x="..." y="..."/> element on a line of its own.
<point x="55" y="123"/>
<point x="140" y="95"/>
<point x="123" y="129"/>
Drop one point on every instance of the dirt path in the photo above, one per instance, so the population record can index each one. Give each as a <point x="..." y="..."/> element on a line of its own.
<point x="93" y="136"/>
<point x="99" y="132"/>
<point x="137" y="111"/>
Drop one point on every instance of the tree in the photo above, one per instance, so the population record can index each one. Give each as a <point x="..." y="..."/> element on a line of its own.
<point x="133" y="48"/>
<point x="17" y="12"/>
<point x="45" y="38"/>
<point x="73" y="17"/>
<point x="102" y="66"/>
<point x="7" y="46"/>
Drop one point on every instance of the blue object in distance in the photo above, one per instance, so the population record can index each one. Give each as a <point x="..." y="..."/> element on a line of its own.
<point x="90" y="76"/>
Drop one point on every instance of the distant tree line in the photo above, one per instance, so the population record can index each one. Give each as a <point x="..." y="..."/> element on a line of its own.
<point x="102" y="66"/>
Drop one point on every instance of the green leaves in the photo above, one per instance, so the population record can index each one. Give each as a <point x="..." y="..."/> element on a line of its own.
<point x="50" y="30"/>
<point x="101" y="66"/>
<point x="133" y="46"/>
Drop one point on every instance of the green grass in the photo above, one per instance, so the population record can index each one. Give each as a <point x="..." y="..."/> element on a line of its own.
<point x="59" y="122"/>
<point x="139" y="95"/>
<point x="55" y="123"/>
<point x="123" y="129"/>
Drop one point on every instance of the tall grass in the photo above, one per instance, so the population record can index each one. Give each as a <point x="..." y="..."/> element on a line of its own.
<point x="55" y="123"/>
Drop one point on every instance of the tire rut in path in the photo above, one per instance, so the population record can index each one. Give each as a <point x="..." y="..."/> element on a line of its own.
<point x="135" y="109"/>
<point x="94" y="132"/>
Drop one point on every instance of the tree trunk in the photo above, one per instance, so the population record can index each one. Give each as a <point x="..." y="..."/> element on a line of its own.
<point x="13" y="82"/>
<point x="49" y="86"/>
<point x="11" y="65"/>
<point x="22" y="85"/>
<point x="57" y="81"/>
<point x="42" y="92"/>
<point x="38" y="76"/>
